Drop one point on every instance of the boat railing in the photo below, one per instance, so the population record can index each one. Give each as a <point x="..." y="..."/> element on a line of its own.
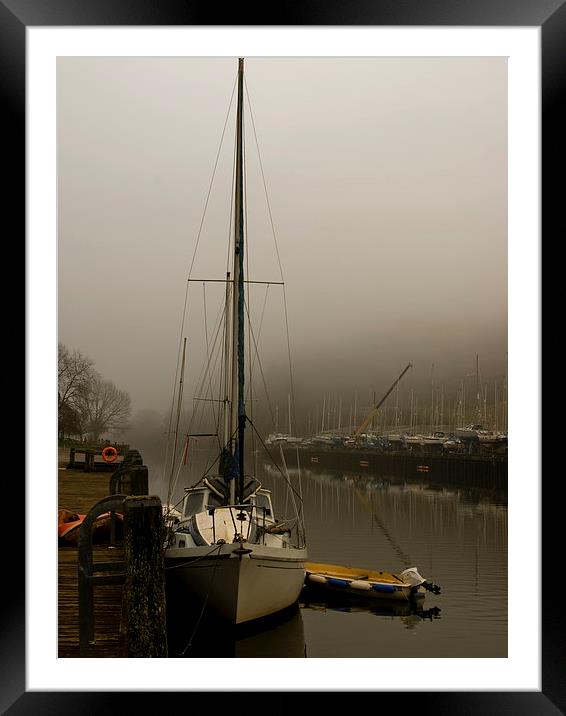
<point x="257" y="523"/>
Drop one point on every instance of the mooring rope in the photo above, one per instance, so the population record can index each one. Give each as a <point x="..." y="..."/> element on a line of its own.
<point x="190" y="642"/>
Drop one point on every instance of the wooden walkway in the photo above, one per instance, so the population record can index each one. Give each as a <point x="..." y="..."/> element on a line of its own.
<point x="79" y="491"/>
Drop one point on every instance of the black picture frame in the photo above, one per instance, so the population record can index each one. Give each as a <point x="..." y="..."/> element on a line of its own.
<point x="550" y="16"/>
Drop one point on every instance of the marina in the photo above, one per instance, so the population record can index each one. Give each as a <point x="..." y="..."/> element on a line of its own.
<point x="376" y="526"/>
<point x="458" y="539"/>
<point x="473" y="471"/>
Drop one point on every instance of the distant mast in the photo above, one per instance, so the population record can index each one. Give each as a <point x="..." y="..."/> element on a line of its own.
<point x="478" y="389"/>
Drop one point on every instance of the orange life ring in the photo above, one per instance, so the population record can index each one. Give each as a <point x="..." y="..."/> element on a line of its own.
<point x="109" y="454"/>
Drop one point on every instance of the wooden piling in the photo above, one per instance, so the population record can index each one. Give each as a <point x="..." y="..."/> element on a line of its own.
<point x="89" y="461"/>
<point x="129" y="479"/>
<point x="144" y="591"/>
<point x="95" y="602"/>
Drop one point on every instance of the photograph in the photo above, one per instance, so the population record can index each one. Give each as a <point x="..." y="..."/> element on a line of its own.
<point x="282" y="313"/>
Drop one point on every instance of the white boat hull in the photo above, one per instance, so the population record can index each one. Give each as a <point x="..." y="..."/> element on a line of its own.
<point x="237" y="587"/>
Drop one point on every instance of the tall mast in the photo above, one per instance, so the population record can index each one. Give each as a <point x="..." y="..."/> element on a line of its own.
<point x="238" y="421"/>
<point x="227" y="385"/>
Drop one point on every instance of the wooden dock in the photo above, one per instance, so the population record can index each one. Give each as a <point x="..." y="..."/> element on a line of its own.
<point x="79" y="491"/>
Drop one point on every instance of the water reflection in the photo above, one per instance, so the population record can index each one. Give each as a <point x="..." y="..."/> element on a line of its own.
<point x="455" y="536"/>
<point x="410" y="612"/>
<point x="494" y="496"/>
<point x="280" y="635"/>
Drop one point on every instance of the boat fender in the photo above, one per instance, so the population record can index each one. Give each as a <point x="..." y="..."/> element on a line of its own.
<point x="383" y="587"/>
<point x="109" y="454"/>
<point x="360" y="584"/>
<point x="335" y="582"/>
<point x="319" y="579"/>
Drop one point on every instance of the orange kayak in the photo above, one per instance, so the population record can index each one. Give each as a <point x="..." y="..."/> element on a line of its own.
<point x="70" y="522"/>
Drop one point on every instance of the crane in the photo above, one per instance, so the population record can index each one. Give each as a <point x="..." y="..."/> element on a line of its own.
<point x="354" y="439"/>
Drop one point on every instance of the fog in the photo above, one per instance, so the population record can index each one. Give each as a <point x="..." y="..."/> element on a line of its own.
<point x="387" y="188"/>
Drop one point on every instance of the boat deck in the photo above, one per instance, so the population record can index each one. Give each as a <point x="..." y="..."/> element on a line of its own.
<point x="342" y="572"/>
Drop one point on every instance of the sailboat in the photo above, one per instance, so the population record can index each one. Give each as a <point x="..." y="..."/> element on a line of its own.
<point x="226" y="552"/>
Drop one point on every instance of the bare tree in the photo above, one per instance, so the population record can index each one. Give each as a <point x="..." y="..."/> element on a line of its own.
<point x="74" y="375"/>
<point x="69" y="421"/>
<point x="103" y="407"/>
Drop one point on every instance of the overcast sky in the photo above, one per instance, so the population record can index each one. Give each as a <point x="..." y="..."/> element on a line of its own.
<point x="387" y="183"/>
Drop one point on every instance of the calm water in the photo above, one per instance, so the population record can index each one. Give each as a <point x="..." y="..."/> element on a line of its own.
<point x="457" y="540"/>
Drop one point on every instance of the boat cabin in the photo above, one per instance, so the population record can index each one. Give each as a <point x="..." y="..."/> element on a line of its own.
<point x="206" y="498"/>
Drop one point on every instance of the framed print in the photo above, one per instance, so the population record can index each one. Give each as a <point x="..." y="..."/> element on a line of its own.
<point x="42" y="47"/>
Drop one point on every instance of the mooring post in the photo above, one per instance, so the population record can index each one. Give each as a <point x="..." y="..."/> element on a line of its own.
<point x="130" y="478"/>
<point x="89" y="461"/>
<point x="144" y="591"/>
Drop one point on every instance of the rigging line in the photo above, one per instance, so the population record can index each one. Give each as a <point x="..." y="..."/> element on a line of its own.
<point x="262" y="376"/>
<point x="292" y="386"/>
<point x="217" y="459"/>
<point x="224" y="280"/>
<point x="273" y="461"/>
<point x="210" y="368"/>
<point x="190" y="271"/>
<point x="208" y="350"/>
<point x="301" y="513"/>
<point x="232" y="202"/>
<point x="226" y="362"/>
<point x="209" y="467"/>
<point x="169" y="507"/>
<point x="216" y="563"/>
<point x="180" y="400"/>
<point x="165" y="452"/>
<point x="297" y="511"/>
<point x="192" y="561"/>
<point x="259" y="329"/>
<point x="276" y="249"/>
<point x="224" y="365"/>
<point x="201" y="388"/>
<point x="188" y="427"/>
<point x="212" y="180"/>
<point x="176" y="480"/>
<point x="263" y="179"/>
<point x="205" y="369"/>
<point x="195" y="418"/>
<point x="247" y="286"/>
